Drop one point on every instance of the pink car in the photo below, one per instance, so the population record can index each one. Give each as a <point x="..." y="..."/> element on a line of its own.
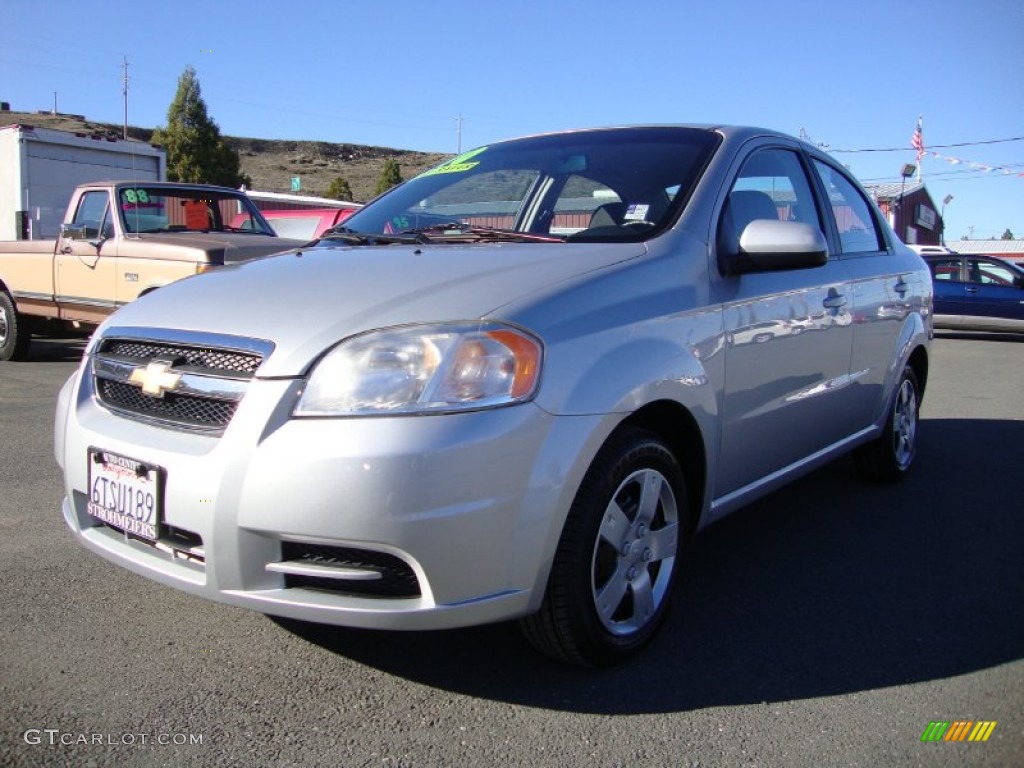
<point x="307" y="224"/>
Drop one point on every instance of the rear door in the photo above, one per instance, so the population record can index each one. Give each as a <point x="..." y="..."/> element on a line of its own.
<point x="950" y="289"/>
<point x="885" y="289"/>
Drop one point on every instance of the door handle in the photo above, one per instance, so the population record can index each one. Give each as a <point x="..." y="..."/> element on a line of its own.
<point x="971" y="289"/>
<point x="901" y="287"/>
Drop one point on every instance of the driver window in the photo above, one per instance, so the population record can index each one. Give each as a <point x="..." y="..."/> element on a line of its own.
<point x="989" y="272"/>
<point x="772" y="184"/>
<point x="93" y="215"/>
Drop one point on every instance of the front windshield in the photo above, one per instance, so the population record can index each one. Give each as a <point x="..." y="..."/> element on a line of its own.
<point x="186" y="209"/>
<point x="606" y="185"/>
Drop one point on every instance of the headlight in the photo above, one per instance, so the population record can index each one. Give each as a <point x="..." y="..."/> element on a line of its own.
<point x="423" y="369"/>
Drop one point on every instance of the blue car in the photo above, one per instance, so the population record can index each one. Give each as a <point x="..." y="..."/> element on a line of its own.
<point x="977" y="293"/>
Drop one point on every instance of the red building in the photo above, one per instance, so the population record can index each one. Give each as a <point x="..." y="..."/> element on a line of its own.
<point x="910" y="211"/>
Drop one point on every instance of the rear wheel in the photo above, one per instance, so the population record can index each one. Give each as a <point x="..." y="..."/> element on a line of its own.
<point x="888" y="457"/>
<point x="612" y="578"/>
<point x="15" y="334"/>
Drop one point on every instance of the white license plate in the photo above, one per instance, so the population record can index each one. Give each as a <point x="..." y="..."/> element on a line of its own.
<point x="125" y="493"/>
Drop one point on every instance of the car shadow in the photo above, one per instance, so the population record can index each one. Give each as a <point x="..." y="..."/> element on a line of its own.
<point x="829" y="586"/>
<point x="1009" y="336"/>
<point x="57" y="350"/>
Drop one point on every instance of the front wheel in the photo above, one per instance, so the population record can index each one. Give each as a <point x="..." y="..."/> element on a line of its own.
<point x="888" y="457"/>
<point x="15" y="334"/>
<point x="612" y="578"/>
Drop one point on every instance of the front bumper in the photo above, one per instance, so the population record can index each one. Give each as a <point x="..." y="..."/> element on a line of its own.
<point x="467" y="508"/>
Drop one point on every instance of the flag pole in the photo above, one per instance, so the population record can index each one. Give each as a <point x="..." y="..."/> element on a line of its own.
<point x="920" y="152"/>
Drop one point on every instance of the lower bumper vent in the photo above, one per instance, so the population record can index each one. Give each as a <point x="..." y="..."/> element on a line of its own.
<point x="346" y="570"/>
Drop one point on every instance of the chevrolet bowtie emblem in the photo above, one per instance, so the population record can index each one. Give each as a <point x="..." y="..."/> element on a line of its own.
<point x="156" y="378"/>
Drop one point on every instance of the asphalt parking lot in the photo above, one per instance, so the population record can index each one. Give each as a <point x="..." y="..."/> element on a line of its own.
<point x="826" y="625"/>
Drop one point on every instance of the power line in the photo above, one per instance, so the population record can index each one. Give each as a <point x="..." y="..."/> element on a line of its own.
<point x="936" y="146"/>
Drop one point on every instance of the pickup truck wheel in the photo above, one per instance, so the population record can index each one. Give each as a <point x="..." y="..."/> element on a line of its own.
<point x="611" y="581"/>
<point x="888" y="457"/>
<point x="15" y="334"/>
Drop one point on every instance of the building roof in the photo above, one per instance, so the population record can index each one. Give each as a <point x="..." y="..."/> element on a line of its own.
<point x="893" y="190"/>
<point x="994" y="247"/>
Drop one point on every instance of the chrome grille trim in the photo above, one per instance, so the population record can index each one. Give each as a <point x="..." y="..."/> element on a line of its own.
<point x="201" y="378"/>
<point x="195" y="384"/>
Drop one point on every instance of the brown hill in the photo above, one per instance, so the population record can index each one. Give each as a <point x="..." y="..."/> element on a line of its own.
<point x="271" y="164"/>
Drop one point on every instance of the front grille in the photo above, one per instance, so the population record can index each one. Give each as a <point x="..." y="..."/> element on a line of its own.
<point x="217" y="361"/>
<point x="397" y="577"/>
<point x="186" y="410"/>
<point x="174" y="383"/>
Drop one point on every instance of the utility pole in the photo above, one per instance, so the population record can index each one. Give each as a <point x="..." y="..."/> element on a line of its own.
<point x="125" y="92"/>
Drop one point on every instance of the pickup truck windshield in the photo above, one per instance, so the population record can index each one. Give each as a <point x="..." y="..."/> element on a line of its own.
<point x="603" y="185"/>
<point x="163" y="209"/>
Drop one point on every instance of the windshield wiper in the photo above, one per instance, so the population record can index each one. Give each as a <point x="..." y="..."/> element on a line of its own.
<point x="351" y="237"/>
<point x="460" y="232"/>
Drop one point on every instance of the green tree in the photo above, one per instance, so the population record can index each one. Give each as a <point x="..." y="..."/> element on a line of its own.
<point x="1007" y="235"/>
<point x="339" y="189"/>
<point x="196" y="152"/>
<point x="390" y="176"/>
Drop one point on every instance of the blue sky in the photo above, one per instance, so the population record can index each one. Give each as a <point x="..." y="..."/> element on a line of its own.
<point x="398" y="73"/>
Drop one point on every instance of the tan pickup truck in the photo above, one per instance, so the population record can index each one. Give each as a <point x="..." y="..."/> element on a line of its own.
<point x="119" y="241"/>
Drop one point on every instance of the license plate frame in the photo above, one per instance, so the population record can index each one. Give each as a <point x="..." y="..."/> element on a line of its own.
<point x="126" y="493"/>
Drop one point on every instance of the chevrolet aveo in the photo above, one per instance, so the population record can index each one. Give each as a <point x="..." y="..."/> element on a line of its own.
<point x="511" y="388"/>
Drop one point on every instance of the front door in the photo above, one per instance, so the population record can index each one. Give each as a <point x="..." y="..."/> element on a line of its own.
<point x="85" y="263"/>
<point x="788" y="335"/>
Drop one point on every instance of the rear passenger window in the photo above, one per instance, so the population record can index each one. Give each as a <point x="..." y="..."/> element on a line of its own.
<point x="858" y="231"/>
<point x="945" y="269"/>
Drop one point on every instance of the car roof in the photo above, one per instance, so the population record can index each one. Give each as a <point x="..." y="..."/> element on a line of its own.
<point x="732" y="132"/>
<point x="162" y="185"/>
<point x="941" y="256"/>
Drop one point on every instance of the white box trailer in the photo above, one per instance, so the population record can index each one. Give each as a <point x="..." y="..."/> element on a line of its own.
<point x="40" y="168"/>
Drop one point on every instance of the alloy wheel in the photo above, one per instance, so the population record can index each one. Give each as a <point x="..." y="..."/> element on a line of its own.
<point x="904" y="423"/>
<point x="635" y="551"/>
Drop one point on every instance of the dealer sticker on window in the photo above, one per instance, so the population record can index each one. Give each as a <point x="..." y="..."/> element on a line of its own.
<point x="636" y="212"/>
<point x="124" y="493"/>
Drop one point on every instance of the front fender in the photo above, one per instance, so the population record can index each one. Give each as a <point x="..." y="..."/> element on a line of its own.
<point x="678" y="358"/>
<point x="595" y="400"/>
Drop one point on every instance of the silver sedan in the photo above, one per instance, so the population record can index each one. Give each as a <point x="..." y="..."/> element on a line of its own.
<point x="511" y="388"/>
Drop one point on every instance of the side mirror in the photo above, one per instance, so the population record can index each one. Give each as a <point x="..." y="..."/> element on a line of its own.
<point x="78" y="232"/>
<point x="82" y="232"/>
<point x="768" y="245"/>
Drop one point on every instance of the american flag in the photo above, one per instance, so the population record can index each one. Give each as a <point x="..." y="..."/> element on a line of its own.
<point x="917" y="141"/>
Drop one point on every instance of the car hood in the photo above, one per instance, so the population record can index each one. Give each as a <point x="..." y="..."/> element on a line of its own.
<point x="307" y="300"/>
<point x="235" y="246"/>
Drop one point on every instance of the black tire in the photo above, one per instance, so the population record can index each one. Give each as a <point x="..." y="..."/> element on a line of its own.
<point x="620" y="543"/>
<point x="888" y="457"/>
<point x="15" y="330"/>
